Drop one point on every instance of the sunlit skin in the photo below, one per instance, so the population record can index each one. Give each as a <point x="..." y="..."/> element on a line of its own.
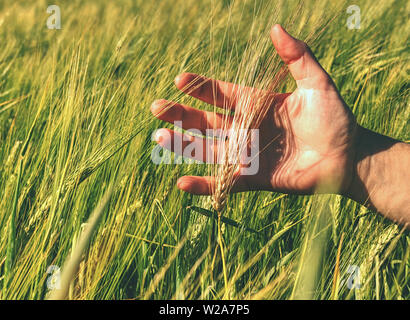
<point x="312" y="139"/>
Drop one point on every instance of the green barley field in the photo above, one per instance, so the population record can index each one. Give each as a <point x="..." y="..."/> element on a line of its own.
<point x="82" y="205"/>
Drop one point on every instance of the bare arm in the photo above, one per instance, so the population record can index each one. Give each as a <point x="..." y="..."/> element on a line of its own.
<point x="381" y="177"/>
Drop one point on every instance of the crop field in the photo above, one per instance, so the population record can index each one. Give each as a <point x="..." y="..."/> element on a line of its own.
<point x="84" y="210"/>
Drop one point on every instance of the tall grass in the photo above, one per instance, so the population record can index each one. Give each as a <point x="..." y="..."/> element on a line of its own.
<point x="74" y="120"/>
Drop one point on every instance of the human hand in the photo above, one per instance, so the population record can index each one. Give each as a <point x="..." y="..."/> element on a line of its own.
<point x="312" y="129"/>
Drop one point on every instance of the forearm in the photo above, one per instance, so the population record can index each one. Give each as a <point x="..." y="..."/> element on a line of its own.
<point x="381" y="178"/>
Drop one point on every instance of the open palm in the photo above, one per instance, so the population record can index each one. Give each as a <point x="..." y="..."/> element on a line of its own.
<point x="306" y="137"/>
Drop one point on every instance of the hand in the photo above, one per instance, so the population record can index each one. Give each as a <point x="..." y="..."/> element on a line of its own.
<point x="312" y="129"/>
<point x="309" y="139"/>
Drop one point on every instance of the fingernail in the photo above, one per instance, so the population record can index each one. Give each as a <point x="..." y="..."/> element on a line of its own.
<point x="157" y="103"/>
<point x="156" y="107"/>
<point x="157" y="136"/>
<point x="178" y="78"/>
<point x="179" y="183"/>
<point x="182" y="183"/>
<point x="278" y="26"/>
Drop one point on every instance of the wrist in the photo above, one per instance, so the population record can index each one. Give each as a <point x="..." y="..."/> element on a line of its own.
<point x="378" y="179"/>
<point x="362" y="162"/>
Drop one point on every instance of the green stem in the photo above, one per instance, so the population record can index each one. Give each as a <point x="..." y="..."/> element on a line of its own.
<point x="222" y="255"/>
<point x="12" y="232"/>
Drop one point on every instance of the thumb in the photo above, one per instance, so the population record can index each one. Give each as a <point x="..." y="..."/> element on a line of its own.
<point x="301" y="62"/>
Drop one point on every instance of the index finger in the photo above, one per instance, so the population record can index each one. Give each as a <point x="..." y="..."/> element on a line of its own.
<point x="215" y="92"/>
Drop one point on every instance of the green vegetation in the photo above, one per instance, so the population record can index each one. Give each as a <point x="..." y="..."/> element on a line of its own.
<point x="75" y="122"/>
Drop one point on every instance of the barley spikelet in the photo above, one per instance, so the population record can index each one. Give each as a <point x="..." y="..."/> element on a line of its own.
<point x="222" y="189"/>
<point x="377" y="246"/>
